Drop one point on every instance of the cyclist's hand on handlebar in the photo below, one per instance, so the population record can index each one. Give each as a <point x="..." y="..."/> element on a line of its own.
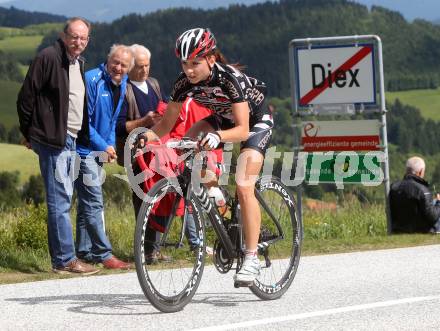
<point x="210" y="140"/>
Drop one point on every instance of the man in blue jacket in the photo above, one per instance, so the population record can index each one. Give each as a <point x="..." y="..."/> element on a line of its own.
<point x="106" y="87"/>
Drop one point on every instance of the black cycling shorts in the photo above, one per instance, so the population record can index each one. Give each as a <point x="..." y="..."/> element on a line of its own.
<point x="260" y="132"/>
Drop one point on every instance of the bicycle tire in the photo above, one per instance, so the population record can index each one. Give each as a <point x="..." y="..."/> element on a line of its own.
<point x="284" y="254"/>
<point x="169" y="285"/>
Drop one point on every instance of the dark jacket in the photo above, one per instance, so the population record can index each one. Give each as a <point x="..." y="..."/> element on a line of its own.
<point x="43" y="101"/>
<point x="411" y="205"/>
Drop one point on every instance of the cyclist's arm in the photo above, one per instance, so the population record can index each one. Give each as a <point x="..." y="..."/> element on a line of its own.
<point x="240" y="131"/>
<point x="166" y="123"/>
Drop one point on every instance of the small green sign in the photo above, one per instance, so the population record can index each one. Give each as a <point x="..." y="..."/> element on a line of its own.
<point x="344" y="168"/>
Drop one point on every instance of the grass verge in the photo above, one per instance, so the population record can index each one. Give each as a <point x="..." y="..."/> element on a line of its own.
<point x="352" y="227"/>
<point x="21" y="270"/>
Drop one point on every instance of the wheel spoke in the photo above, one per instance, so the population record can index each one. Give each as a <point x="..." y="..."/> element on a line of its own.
<point x="284" y="253"/>
<point x="166" y="281"/>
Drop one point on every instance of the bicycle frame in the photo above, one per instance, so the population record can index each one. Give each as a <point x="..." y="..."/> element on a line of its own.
<point x="171" y="286"/>
<point x="205" y="203"/>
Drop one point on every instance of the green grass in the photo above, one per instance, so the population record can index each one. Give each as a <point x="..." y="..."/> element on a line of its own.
<point x="353" y="227"/>
<point x="23" y="43"/>
<point x="22" y="48"/>
<point x="42" y="29"/>
<point x="8" y="96"/>
<point x="18" y="158"/>
<point x="23" y="69"/>
<point x="30" y="30"/>
<point x="428" y="101"/>
<point x="6" y="32"/>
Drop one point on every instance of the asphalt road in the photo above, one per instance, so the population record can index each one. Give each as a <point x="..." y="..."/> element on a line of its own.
<point x="397" y="289"/>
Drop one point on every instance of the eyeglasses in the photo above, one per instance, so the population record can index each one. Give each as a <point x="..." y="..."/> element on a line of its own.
<point x="73" y="37"/>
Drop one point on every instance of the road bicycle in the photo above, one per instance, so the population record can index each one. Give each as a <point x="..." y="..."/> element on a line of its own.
<point x="169" y="284"/>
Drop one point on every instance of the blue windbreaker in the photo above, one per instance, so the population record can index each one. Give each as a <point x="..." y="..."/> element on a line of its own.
<point x="102" y="119"/>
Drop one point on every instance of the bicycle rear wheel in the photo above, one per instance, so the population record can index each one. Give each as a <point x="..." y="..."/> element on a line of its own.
<point x="279" y="246"/>
<point x="171" y="280"/>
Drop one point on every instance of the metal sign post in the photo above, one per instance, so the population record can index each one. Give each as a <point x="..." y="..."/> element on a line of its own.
<point x="340" y="76"/>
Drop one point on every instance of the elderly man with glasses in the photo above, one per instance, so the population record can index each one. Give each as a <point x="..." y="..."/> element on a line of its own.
<point x="53" y="116"/>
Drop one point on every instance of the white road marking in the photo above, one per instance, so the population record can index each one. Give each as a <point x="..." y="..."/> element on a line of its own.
<point x="319" y="313"/>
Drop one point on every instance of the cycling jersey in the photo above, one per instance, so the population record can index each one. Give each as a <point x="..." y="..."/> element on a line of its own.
<point x="226" y="86"/>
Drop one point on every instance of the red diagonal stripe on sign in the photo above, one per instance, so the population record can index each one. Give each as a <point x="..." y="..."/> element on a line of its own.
<point x="350" y="63"/>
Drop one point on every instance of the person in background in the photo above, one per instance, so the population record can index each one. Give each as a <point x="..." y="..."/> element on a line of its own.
<point x="141" y="108"/>
<point x="190" y="113"/>
<point x="106" y="86"/>
<point x="411" y="202"/>
<point x="52" y="110"/>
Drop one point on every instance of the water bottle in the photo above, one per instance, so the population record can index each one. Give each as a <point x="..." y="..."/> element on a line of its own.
<point x="219" y="199"/>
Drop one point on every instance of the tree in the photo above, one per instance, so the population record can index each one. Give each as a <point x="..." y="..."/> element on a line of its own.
<point x="14" y="135"/>
<point x="18" y="18"/>
<point x="9" y="194"/>
<point x="3" y="133"/>
<point x="33" y="190"/>
<point x="9" y="68"/>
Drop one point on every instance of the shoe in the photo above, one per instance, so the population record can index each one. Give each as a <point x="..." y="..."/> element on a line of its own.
<point x="115" y="263"/>
<point x="156" y="257"/>
<point x="249" y="271"/>
<point x="76" y="267"/>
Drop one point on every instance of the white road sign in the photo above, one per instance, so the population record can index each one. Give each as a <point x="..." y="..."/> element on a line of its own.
<point x="353" y="135"/>
<point x="335" y="75"/>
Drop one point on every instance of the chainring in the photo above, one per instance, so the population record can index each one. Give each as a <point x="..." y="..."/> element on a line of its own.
<point x="221" y="262"/>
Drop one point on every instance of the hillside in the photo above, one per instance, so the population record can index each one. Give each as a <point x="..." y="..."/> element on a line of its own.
<point x="18" y="18"/>
<point x="427" y="101"/>
<point x="17" y="48"/>
<point x="258" y="36"/>
<point x="22" y="43"/>
<point x="19" y="158"/>
<point x="261" y="43"/>
<point x="8" y="94"/>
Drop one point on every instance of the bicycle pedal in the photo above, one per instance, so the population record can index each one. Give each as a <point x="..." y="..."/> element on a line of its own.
<point x="238" y="284"/>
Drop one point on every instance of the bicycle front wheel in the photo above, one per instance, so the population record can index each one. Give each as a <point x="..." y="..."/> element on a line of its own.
<point x="171" y="275"/>
<point x="279" y="245"/>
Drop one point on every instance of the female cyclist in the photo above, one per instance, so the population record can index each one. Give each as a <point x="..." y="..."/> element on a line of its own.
<point x="239" y="115"/>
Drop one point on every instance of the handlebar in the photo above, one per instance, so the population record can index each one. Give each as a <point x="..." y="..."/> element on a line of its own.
<point x="185" y="143"/>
